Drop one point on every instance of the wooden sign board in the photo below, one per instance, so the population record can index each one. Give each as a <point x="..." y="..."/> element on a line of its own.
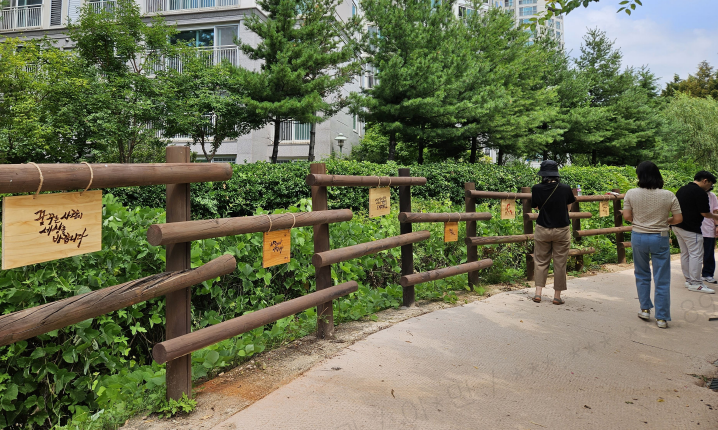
<point x="508" y="209"/>
<point x="276" y="248"/>
<point x="603" y="209"/>
<point x="379" y="202"/>
<point x="50" y="227"/>
<point x="451" y="231"/>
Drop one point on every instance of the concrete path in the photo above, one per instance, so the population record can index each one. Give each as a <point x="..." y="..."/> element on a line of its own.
<point x="509" y="363"/>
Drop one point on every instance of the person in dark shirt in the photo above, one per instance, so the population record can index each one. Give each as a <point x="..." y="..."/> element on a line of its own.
<point x="552" y="237"/>
<point x="693" y="198"/>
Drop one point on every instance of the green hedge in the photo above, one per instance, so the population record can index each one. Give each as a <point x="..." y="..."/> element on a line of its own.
<point x="279" y="186"/>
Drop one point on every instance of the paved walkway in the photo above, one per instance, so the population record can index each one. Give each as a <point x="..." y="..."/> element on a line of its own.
<point x="509" y="363"/>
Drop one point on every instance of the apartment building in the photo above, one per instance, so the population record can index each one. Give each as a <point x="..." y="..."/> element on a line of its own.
<point x="524" y="10"/>
<point x="213" y="26"/>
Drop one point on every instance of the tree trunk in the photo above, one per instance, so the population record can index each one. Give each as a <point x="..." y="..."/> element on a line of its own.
<point x="421" y="146"/>
<point x="472" y="158"/>
<point x="500" y="159"/>
<point x="392" y="145"/>
<point x="312" y="140"/>
<point x="594" y="157"/>
<point x="544" y="155"/>
<point x="275" y="148"/>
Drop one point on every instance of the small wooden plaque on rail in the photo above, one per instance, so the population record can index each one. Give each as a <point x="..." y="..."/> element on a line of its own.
<point x="603" y="209"/>
<point x="451" y="231"/>
<point x="276" y="247"/>
<point x="508" y="209"/>
<point x="48" y="227"/>
<point x="379" y="202"/>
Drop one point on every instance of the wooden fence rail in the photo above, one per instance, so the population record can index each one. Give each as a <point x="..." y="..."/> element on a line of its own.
<point x="415" y="217"/>
<point x="493" y="240"/>
<point x="571" y="215"/>
<point x="433" y="275"/>
<point x="183" y="345"/>
<point x="323" y="180"/>
<point x="326" y="258"/>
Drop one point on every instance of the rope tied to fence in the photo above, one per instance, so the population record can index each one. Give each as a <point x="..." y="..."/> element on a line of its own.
<point x="270" y="223"/>
<point x="92" y="176"/>
<point x="42" y="179"/>
<point x="294" y="220"/>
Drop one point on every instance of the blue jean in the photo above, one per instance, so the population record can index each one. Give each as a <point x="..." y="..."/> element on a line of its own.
<point x="709" y="260"/>
<point x="653" y="247"/>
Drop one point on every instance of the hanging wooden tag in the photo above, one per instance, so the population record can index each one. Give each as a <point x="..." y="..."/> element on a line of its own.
<point x="603" y="209"/>
<point x="451" y="231"/>
<point x="379" y="202"/>
<point x="50" y="226"/>
<point x="276" y="247"/>
<point x="508" y="209"/>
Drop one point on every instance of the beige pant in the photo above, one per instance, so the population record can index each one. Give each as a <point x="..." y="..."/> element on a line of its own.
<point x="551" y="242"/>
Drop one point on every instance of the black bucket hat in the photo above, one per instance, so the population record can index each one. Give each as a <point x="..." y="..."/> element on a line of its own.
<point x="548" y="168"/>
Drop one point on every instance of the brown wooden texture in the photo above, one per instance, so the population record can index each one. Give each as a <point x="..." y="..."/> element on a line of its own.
<point x="379" y="202"/>
<point x="571" y="215"/>
<point x="624" y="244"/>
<point x="325" y="311"/>
<point x="578" y="252"/>
<point x="407" y="251"/>
<point x="576" y="225"/>
<point x="528" y="229"/>
<point x="32" y="322"/>
<point x="451" y="232"/>
<point x="433" y="275"/>
<point x="50" y="227"/>
<point x="181" y="346"/>
<point x="178" y="312"/>
<point x="276" y="248"/>
<point x="508" y="209"/>
<point x="600" y="198"/>
<point x="163" y="234"/>
<point x="493" y="240"/>
<point x="472" y="252"/>
<point x="618" y="222"/>
<point x="323" y="180"/>
<point x="326" y="258"/>
<point x="599" y="231"/>
<point x="415" y="217"/>
<point x="496" y="195"/>
<point x="23" y="178"/>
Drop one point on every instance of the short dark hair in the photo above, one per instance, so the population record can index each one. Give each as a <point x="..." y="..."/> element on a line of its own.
<point x="649" y="176"/>
<point x="705" y="175"/>
<point x="548" y="179"/>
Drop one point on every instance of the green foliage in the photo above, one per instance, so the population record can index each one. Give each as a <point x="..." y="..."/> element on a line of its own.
<point x="694" y="122"/>
<point x="174" y="407"/>
<point x="703" y="84"/>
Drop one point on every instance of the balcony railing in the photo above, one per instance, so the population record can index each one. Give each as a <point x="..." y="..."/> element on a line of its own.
<point x="23" y="17"/>
<point x="103" y="6"/>
<point x="154" y="6"/>
<point x="211" y="55"/>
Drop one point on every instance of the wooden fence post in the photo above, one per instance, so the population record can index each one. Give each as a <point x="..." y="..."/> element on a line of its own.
<point x="323" y="275"/>
<point x="407" y="251"/>
<point x="178" y="303"/>
<point x="618" y="222"/>
<point x="576" y="207"/>
<point x="528" y="229"/>
<point x="472" y="251"/>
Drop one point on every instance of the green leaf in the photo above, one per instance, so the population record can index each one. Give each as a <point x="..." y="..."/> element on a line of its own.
<point x="10" y="392"/>
<point x="210" y="359"/>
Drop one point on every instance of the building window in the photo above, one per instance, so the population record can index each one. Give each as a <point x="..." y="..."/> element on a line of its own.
<point x="487" y="151"/>
<point x="198" y="38"/>
<point x="465" y="12"/>
<point x="355" y="121"/>
<point x="528" y="2"/>
<point x="294" y="131"/>
<point x="370" y="73"/>
<point x="354" y="9"/>
<point x="528" y="11"/>
<point x="508" y="3"/>
<point x="558" y="34"/>
<point x="558" y="25"/>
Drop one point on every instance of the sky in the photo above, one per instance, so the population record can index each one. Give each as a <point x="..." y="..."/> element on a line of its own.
<point x="668" y="36"/>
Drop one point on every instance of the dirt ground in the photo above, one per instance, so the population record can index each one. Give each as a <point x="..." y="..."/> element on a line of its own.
<point x="235" y="389"/>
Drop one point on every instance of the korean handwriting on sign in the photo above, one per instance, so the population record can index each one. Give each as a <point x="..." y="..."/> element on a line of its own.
<point x="53" y="225"/>
<point x="381" y="203"/>
<point x="277" y="246"/>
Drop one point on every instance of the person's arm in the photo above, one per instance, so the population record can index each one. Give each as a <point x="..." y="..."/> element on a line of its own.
<point x="675" y="219"/>
<point x="710" y="215"/>
<point x="628" y="215"/>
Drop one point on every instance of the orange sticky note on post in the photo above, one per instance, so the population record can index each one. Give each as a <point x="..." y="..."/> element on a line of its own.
<point x="276" y="247"/>
<point x="508" y="209"/>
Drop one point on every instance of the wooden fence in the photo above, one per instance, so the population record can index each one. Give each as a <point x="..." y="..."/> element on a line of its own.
<point x="179" y="231"/>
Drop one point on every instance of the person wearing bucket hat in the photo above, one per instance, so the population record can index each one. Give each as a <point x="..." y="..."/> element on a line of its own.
<point x="552" y="238"/>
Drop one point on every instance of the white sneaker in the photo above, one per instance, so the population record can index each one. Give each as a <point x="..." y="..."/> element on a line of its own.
<point x="688" y="284"/>
<point x="710" y="280"/>
<point x="645" y="314"/>
<point x="661" y="323"/>
<point x="701" y="289"/>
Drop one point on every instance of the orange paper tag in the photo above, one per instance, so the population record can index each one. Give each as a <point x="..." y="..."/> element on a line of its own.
<point x="508" y="209"/>
<point x="603" y="209"/>
<point x="379" y="202"/>
<point x="276" y="247"/>
<point x="451" y="231"/>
